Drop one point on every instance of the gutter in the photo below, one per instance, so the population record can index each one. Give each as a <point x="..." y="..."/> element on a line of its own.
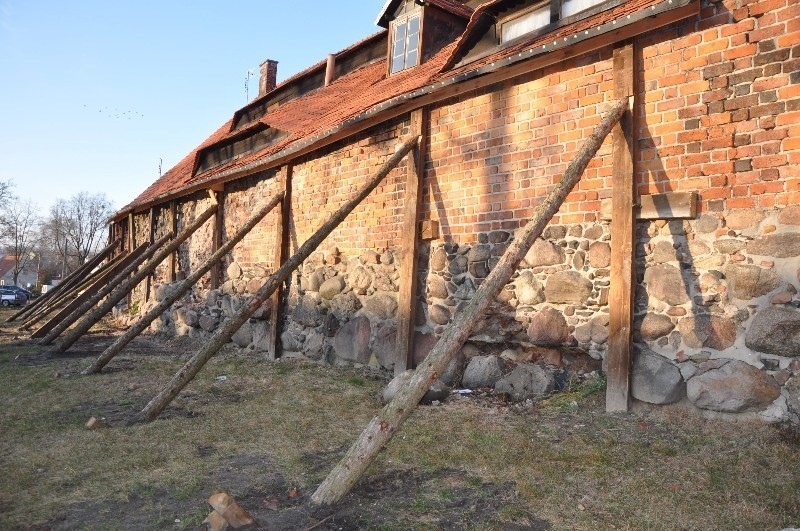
<point x="587" y="41"/>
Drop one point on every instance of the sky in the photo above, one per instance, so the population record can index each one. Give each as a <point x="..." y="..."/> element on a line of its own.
<point x="94" y="94"/>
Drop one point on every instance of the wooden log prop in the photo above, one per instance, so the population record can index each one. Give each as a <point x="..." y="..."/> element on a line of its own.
<point x="231" y="325"/>
<point x="125" y="261"/>
<point x="69" y="282"/>
<point x="175" y="294"/>
<point x="383" y="427"/>
<point x="126" y="287"/>
<point x="60" y="301"/>
<point x="105" y="290"/>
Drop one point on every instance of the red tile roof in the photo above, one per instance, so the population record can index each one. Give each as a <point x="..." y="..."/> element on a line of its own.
<point x="316" y="114"/>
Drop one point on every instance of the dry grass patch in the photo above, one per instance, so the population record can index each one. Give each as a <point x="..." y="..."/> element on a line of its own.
<point x="471" y="463"/>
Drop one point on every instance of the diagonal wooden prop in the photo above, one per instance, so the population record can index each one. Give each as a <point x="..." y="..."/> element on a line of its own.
<point x="226" y="331"/>
<point x="383" y="427"/>
<point x="175" y="294"/>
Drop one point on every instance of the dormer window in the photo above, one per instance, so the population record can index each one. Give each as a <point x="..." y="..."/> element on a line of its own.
<point x="405" y="42"/>
<point x="530" y="20"/>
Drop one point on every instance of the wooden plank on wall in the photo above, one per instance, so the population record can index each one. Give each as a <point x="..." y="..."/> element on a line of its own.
<point x="131" y="235"/>
<point x="173" y="227"/>
<point x="216" y="243"/>
<point x="407" y="296"/>
<point x="622" y="234"/>
<point x="149" y="281"/>
<point x="669" y="205"/>
<point x="281" y="254"/>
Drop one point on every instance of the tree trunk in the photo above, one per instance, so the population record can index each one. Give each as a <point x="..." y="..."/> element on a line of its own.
<point x="231" y="325"/>
<point x="117" y="346"/>
<point x="86" y="323"/>
<point x="383" y="427"/>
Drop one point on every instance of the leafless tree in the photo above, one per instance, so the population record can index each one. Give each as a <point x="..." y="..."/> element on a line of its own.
<point x="77" y="226"/>
<point x="19" y="229"/>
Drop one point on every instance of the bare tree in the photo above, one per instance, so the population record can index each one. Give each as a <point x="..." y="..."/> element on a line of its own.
<point x="19" y="229"/>
<point x="77" y="226"/>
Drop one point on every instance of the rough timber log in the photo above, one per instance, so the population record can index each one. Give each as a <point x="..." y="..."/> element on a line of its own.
<point x="105" y="290"/>
<point x="383" y="427"/>
<point x="126" y="287"/>
<point x="175" y="294"/>
<point x="125" y="261"/>
<point x="70" y="281"/>
<point x="231" y="325"/>
<point x="70" y="296"/>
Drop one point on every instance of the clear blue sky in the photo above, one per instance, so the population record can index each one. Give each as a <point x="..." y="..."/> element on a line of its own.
<point x="94" y="92"/>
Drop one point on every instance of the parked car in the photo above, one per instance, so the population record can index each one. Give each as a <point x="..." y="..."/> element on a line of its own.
<point x="10" y="297"/>
<point x="18" y="289"/>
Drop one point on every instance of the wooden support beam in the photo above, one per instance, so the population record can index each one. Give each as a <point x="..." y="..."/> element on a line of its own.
<point x="386" y="424"/>
<point x="218" y="197"/>
<point x="71" y="294"/>
<point x="409" y="242"/>
<point x="175" y="294"/>
<point x="281" y="254"/>
<point x="121" y="262"/>
<point x="151" y="236"/>
<point x="233" y="323"/>
<point x="131" y="233"/>
<point x="68" y="283"/>
<point x="120" y="280"/>
<point x="669" y="205"/>
<point x="173" y="228"/>
<point x="126" y="287"/>
<point x="620" y="339"/>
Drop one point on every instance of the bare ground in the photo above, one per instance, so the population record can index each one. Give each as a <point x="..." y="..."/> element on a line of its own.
<point x="268" y="433"/>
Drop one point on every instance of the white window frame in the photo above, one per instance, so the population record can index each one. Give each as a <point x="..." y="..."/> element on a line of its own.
<point x="405" y="21"/>
<point x="535" y="10"/>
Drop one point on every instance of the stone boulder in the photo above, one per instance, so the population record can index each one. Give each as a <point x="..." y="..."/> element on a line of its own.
<point x="345" y="305"/>
<point x="244" y="336"/>
<point x="383" y="305"/>
<point x="544" y="253"/>
<point x="528" y="290"/>
<point x="747" y="282"/>
<point x="775" y="330"/>
<point x="331" y="288"/>
<point x="527" y="380"/>
<point x="484" y="371"/>
<point x="438" y="390"/>
<point x="655" y="325"/>
<point x="743" y="219"/>
<point x="307" y="312"/>
<point x="423" y="344"/>
<point x="455" y="370"/>
<point x="665" y="283"/>
<point x="351" y="342"/>
<point x="360" y="279"/>
<point x="208" y="323"/>
<point x="568" y="287"/>
<point x="655" y="379"/>
<point x="778" y="245"/>
<point x="439" y="314"/>
<point x="712" y="331"/>
<point x="600" y="254"/>
<point x="234" y="271"/>
<point x="595" y="330"/>
<point x="479" y="253"/>
<point x="261" y="335"/>
<point x="790" y="215"/>
<point x="548" y="328"/>
<point x="438" y="260"/>
<point x="731" y="386"/>
<point x="437" y="287"/>
<point x="313" y="347"/>
<point x="386" y="346"/>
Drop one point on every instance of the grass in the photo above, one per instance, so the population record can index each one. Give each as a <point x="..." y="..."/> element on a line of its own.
<point x="562" y="460"/>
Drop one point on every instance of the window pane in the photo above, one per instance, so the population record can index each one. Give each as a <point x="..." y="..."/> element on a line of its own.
<point x="398" y="63"/>
<point x="570" y="7"/>
<point x="527" y="23"/>
<point x="411" y="58"/>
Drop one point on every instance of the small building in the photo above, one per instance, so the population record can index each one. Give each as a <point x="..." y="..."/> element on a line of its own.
<point x="26" y="277"/>
<point x="503" y="93"/>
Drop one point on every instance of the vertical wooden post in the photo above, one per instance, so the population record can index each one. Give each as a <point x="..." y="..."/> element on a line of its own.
<point x="131" y="237"/>
<point x="407" y="296"/>
<point x="622" y="235"/>
<point x="151" y="234"/>
<point x="216" y="271"/>
<point x="281" y="254"/>
<point x="173" y="228"/>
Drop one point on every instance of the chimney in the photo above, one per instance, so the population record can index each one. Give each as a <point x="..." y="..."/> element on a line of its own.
<point x="269" y="77"/>
<point x="330" y="69"/>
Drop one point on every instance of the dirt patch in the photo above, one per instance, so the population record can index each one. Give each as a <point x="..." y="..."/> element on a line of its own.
<point x="399" y="499"/>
